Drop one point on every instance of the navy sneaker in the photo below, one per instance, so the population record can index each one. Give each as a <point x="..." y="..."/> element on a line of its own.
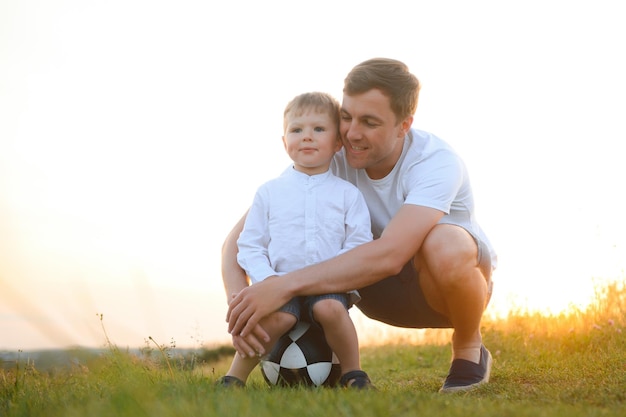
<point x="356" y="380"/>
<point x="465" y="375"/>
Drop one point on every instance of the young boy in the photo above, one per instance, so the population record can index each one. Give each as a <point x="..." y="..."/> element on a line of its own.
<point x="303" y="217"/>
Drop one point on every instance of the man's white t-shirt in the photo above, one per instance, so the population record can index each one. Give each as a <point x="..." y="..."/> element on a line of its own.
<point x="429" y="173"/>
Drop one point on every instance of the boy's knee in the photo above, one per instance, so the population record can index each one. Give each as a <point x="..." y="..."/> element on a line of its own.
<point x="279" y="321"/>
<point x="327" y="310"/>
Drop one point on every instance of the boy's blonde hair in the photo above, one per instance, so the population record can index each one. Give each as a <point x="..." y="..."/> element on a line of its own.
<point x="316" y="101"/>
<point x="392" y="78"/>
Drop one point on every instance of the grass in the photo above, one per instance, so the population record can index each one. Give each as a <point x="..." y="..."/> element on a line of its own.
<point x="573" y="364"/>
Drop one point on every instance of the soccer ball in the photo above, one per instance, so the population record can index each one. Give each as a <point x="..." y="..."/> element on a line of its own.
<point x="301" y="357"/>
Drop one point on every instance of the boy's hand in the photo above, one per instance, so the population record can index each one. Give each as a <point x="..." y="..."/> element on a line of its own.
<point x="253" y="303"/>
<point x="251" y="346"/>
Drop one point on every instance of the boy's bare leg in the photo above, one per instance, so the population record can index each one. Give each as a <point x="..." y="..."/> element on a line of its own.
<point x="340" y="333"/>
<point x="276" y="324"/>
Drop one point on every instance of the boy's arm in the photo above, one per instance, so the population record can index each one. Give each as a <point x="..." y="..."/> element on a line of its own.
<point x="357" y="268"/>
<point x="254" y="240"/>
<point x="358" y="224"/>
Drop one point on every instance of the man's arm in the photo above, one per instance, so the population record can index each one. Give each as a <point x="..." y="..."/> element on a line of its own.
<point x="233" y="275"/>
<point x="235" y="280"/>
<point x="357" y="268"/>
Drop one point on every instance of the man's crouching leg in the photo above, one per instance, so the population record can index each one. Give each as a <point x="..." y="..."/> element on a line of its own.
<point x="456" y="283"/>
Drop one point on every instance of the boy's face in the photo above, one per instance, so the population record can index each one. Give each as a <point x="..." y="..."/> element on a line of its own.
<point x="311" y="139"/>
<point x="372" y="136"/>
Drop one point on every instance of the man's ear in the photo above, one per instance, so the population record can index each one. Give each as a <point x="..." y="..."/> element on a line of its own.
<point x="405" y="125"/>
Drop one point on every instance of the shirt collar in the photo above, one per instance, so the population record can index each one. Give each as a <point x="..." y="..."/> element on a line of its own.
<point x="301" y="175"/>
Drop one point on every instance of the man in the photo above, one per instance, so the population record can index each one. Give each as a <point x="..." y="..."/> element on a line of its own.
<point x="429" y="264"/>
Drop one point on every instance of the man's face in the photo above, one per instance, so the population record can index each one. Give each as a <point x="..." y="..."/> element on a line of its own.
<point x="370" y="133"/>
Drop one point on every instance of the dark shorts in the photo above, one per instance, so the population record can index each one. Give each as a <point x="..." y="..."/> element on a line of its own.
<point x="399" y="300"/>
<point x="302" y="307"/>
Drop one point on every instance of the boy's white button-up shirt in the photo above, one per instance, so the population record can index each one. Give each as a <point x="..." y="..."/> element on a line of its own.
<point x="297" y="220"/>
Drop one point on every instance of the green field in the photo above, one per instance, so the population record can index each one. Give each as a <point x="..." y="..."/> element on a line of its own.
<point x="573" y="364"/>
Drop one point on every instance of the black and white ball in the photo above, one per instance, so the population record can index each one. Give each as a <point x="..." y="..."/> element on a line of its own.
<point x="301" y="357"/>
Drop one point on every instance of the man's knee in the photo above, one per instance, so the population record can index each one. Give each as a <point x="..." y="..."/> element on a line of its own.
<point x="448" y="253"/>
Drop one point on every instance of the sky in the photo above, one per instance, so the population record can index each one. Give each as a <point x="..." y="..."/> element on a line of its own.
<point x="133" y="135"/>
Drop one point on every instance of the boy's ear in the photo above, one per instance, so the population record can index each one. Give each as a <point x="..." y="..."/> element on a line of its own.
<point x="338" y="145"/>
<point x="284" y="142"/>
<point x="339" y="142"/>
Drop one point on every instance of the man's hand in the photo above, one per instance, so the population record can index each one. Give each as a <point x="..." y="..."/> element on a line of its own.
<point x="253" y="303"/>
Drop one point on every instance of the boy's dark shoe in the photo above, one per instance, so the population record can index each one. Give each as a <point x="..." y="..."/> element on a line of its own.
<point x="230" y="381"/>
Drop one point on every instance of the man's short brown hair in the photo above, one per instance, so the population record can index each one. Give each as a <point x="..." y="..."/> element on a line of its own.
<point x="392" y="78"/>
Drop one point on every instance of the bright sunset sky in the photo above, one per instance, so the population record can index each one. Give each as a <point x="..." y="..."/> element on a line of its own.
<point x="134" y="133"/>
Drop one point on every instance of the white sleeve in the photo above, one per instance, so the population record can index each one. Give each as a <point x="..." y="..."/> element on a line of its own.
<point x="358" y="224"/>
<point x="434" y="182"/>
<point x="253" y="241"/>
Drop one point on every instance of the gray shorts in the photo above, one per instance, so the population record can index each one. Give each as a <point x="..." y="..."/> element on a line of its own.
<point x="302" y="307"/>
<point x="399" y="300"/>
